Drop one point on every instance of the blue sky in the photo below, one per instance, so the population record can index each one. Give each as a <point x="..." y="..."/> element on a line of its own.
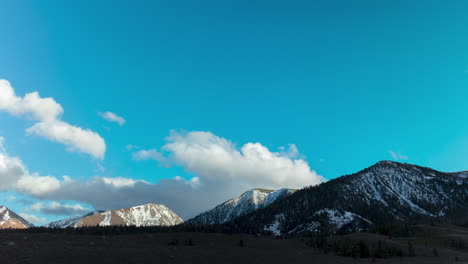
<point x="346" y="82"/>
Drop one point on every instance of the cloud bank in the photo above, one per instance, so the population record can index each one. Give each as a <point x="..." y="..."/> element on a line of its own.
<point x="56" y="208"/>
<point x="14" y="175"/>
<point x="47" y="112"/>
<point x="222" y="171"/>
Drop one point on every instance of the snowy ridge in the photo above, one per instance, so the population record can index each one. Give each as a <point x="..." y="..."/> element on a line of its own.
<point x="249" y="201"/>
<point x="143" y="215"/>
<point x="335" y="220"/>
<point x="396" y="185"/>
<point x="69" y="222"/>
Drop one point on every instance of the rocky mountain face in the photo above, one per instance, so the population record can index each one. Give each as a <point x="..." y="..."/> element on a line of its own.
<point x="9" y="219"/>
<point x="233" y="208"/>
<point x="71" y="221"/>
<point x="383" y="193"/>
<point x="143" y="215"/>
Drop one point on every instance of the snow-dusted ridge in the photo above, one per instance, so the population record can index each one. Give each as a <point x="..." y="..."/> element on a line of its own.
<point x="249" y="201"/>
<point x="71" y="221"/>
<point x="383" y="193"/>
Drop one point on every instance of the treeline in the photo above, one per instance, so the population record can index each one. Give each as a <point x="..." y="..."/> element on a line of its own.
<point x="118" y="230"/>
<point x="97" y="230"/>
<point x="395" y="229"/>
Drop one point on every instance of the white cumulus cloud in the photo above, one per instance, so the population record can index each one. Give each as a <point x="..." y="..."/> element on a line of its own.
<point x="217" y="159"/>
<point x="111" y="117"/>
<point x="37" y="108"/>
<point x="47" y="112"/>
<point x="75" y="138"/>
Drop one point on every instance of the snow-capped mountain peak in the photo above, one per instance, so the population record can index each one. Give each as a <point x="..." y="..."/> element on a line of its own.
<point x="248" y="201"/>
<point x="9" y="219"/>
<point x="143" y="215"/>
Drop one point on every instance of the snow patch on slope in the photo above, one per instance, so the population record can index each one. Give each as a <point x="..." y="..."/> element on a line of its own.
<point x="107" y="218"/>
<point x="336" y="218"/>
<point x="275" y="227"/>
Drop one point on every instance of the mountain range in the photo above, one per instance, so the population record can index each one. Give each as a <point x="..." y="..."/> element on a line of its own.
<point x="387" y="192"/>
<point x="144" y="215"/>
